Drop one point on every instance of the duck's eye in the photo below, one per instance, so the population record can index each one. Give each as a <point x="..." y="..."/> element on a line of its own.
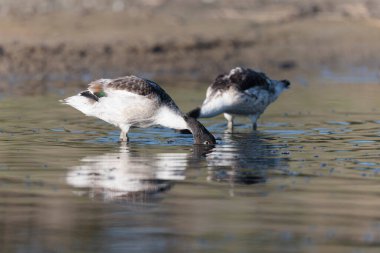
<point x="206" y="142"/>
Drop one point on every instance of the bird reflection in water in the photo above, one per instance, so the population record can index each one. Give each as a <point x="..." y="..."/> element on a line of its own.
<point x="244" y="158"/>
<point x="128" y="174"/>
<point x="133" y="174"/>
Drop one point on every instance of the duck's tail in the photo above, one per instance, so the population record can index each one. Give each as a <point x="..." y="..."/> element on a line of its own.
<point x="82" y="103"/>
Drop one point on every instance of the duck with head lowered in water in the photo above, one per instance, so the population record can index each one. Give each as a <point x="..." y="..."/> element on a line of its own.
<point x="132" y="101"/>
<point x="243" y="92"/>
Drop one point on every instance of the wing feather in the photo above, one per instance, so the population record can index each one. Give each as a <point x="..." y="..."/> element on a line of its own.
<point x="240" y="78"/>
<point x="131" y="84"/>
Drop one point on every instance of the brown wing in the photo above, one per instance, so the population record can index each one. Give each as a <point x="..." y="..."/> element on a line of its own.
<point x="133" y="84"/>
<point x="241" y="78"/>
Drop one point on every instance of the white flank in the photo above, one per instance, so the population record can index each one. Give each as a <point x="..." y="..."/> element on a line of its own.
<point x="119" y="108"/>
<point x="168" y="118"/>
<point x="217" y="104"/>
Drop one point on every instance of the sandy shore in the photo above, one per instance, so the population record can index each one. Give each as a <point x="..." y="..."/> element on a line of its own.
<point x="42" y="49"/>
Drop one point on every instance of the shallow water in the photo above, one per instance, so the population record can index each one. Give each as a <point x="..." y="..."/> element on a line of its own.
<point x="307" y="181"/>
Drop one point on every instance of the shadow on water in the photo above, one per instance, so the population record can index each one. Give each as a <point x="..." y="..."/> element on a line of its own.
<point x="135" y="173"/>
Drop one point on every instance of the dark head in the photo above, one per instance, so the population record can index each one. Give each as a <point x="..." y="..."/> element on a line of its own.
<point x="200" y="133"/>
<point x="194" y="113"/>
<point x="286" y="83"/>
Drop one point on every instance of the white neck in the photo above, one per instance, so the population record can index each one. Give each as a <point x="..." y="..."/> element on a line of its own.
<point x="171" y="119"/>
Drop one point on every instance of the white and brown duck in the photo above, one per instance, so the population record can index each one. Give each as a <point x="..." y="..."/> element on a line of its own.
<point x="243" y="92"/>
<point x="132" y="101"/>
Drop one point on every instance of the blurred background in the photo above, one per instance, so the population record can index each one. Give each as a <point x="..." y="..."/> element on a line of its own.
<point x="307" y="181"/>
<point x="52" y="45"/>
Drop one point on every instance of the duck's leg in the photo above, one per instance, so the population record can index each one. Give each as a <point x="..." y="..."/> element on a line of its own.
<point x="123" y="136"/>
<point x="230" y="121"/>
<point x="124" y="133"/>
<point x="254" y="119"/>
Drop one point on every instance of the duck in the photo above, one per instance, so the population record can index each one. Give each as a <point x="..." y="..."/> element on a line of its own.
<point x="132" y="101"/>
<point x="243" y="92"/>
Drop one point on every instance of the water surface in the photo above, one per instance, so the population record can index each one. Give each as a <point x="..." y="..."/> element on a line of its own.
<point x="307" y="181"/>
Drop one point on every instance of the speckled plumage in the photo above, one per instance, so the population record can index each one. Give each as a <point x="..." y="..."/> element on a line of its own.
<point x="241" y="78"/>
<point x="133" y="84"/>
<point x="242" y="91"/>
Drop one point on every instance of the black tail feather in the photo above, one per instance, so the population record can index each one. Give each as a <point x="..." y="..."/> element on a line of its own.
<point x="89" y="94"/>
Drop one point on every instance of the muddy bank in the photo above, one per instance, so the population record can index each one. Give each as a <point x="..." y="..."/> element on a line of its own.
<point x="37" y="68"/>
<point x="48" y="47"/>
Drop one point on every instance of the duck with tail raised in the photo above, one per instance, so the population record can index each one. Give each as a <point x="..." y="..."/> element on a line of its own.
<point x="243" y="92"/>
<point x="132" y="101"/>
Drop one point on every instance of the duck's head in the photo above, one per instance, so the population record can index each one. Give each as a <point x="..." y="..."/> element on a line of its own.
<point x="200" y="133"/>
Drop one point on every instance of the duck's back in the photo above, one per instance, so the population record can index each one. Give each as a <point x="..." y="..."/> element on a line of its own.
<point x="241" y="79"/>
<point x="132" y="86"/>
